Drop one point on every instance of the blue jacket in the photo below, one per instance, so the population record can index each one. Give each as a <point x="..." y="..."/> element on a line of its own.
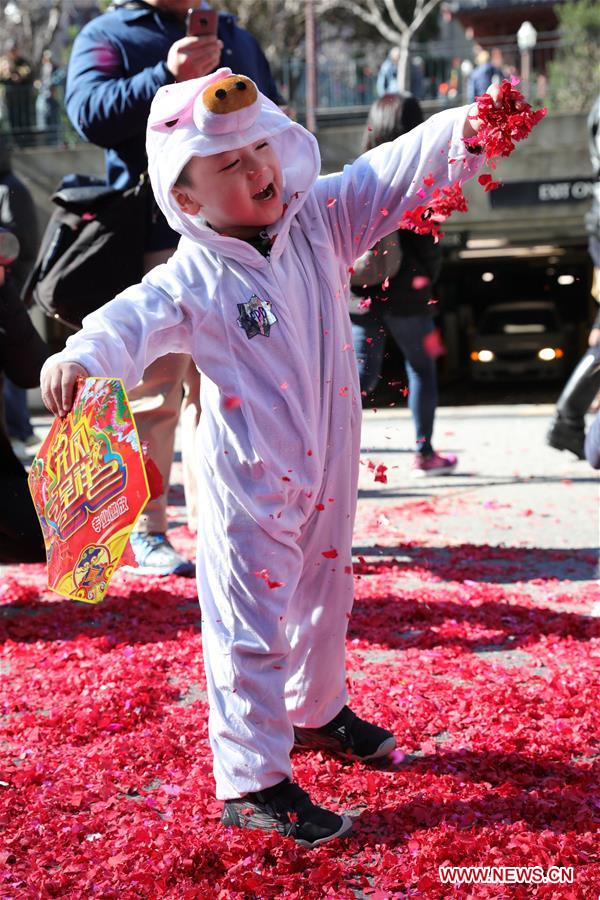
<point x="118" y="63"/>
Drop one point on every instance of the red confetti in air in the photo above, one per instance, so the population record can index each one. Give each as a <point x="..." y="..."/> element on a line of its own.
<point x="264" y="574"/>
<point x="433" y="344"/>
<point x="488" y="183"/>
<point x="331" y="201"/>
<point x="419" y="282"/>
<point x="329" y="554"/>
<point x="231" y="402"/>
<point x="380" y="474"/>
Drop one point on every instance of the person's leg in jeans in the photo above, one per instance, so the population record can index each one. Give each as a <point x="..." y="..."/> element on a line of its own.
<point x="156" y="404"/>
<point x="16" y="412"/>
<point x="410" y="333"/>
<point x="368" y="336"/>
<point x="21" y="539"/>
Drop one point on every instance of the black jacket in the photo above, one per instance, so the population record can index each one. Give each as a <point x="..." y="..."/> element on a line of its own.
<point x="22" y="355"/>
<point x="408" y="294"/>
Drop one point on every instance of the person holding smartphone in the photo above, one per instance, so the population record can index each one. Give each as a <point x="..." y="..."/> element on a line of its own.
<point x="119" y="61"/>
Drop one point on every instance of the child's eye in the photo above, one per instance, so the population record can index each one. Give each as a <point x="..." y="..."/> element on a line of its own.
<point x="230" y="166"/>
<point x="264" y="144"/>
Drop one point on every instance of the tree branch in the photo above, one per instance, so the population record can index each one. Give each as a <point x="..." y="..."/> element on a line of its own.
<point x="371" y="17"/>
<point x="395" y="16"/>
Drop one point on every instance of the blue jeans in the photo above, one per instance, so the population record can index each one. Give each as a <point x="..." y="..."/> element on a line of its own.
<point x="369" y="333"/>
<point x="16" y="411"/>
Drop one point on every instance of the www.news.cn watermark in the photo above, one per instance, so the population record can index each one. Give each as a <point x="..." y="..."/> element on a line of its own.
<point x="505" y="875"/>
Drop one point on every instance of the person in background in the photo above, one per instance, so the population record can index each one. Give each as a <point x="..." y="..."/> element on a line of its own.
<point x="387" y="78"/>
<point x="119" y="61"/>
<point x="17" y="214"/>
<point x="484" y="74"/>
<point x="47" y="106"/>
<point x="22" y="354"/>
<point x="567" y="429"/>
<point x="404" y="310"/>
<point x="16" y="79"/>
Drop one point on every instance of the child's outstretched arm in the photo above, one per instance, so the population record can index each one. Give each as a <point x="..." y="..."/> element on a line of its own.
<point x="122" y="338"/>
<point x="369" y="198"/>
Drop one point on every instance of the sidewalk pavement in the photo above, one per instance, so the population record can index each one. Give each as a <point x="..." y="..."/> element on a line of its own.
<point x="509" y="490"/>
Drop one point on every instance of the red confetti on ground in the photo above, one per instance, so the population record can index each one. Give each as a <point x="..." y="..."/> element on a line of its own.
<point x="107" y="785"/>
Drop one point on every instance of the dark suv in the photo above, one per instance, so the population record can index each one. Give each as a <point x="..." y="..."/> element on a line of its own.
<point x="516" y="340"/>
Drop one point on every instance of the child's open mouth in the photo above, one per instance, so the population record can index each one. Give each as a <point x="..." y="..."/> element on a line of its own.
<point x="266" y="193"/>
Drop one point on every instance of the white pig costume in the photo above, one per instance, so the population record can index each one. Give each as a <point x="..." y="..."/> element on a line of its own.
<point x="279" y="437"/>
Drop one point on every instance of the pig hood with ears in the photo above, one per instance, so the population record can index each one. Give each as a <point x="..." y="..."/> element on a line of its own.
<point x="213" y="114"/>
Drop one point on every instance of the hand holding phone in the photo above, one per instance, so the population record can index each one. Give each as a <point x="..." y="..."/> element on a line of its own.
<point x="202" y="22"/>
<point x="199" y="53"/>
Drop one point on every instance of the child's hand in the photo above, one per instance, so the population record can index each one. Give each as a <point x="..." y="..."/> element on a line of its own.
<point x="473" y="124"/>
<point x="58" y="386"/>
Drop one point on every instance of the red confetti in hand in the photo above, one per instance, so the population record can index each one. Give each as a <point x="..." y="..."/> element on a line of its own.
<point x="329" y="554"/>
<point x="504" y="121"/>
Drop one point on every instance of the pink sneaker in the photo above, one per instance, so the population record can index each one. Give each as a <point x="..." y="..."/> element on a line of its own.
<point x="433" y="465"/>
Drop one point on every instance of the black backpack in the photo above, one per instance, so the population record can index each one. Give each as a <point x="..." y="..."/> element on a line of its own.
<point x="92" y="249"/>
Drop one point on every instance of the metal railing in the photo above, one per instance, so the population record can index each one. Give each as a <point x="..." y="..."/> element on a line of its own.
<point x="345" y="87"/>
<point x="34" y="118"/>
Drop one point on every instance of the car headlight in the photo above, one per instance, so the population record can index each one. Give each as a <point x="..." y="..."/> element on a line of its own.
<point x="483" y="356"/>
<point x="547" y="354"/>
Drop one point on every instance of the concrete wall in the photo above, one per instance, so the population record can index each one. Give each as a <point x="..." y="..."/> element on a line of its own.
<point x="556" y="149"/>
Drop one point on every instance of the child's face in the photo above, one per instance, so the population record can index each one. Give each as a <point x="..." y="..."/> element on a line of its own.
<point x="239" y="192"/>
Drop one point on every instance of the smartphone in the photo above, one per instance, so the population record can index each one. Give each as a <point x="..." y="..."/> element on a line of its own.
<point x="202" y="22"/>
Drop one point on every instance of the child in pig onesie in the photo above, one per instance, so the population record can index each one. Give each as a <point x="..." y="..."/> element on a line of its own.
<point x="257" y="294"/>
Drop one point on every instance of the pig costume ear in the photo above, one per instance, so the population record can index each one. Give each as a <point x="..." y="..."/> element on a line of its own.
<point x="173" y="104"/>
<point x="221" y="103"/>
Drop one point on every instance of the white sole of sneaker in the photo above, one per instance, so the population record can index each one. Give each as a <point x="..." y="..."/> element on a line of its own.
<point x="344" y="830"/>
<point x="149" y="570"/>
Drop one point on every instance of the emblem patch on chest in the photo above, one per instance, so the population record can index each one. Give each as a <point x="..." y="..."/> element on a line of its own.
<point x="256" y="317"/>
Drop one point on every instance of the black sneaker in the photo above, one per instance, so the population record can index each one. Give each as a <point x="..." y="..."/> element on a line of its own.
<point x="563" y="435"/>
<point x="288" y="810"/>
<point x="348" y="735"/>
